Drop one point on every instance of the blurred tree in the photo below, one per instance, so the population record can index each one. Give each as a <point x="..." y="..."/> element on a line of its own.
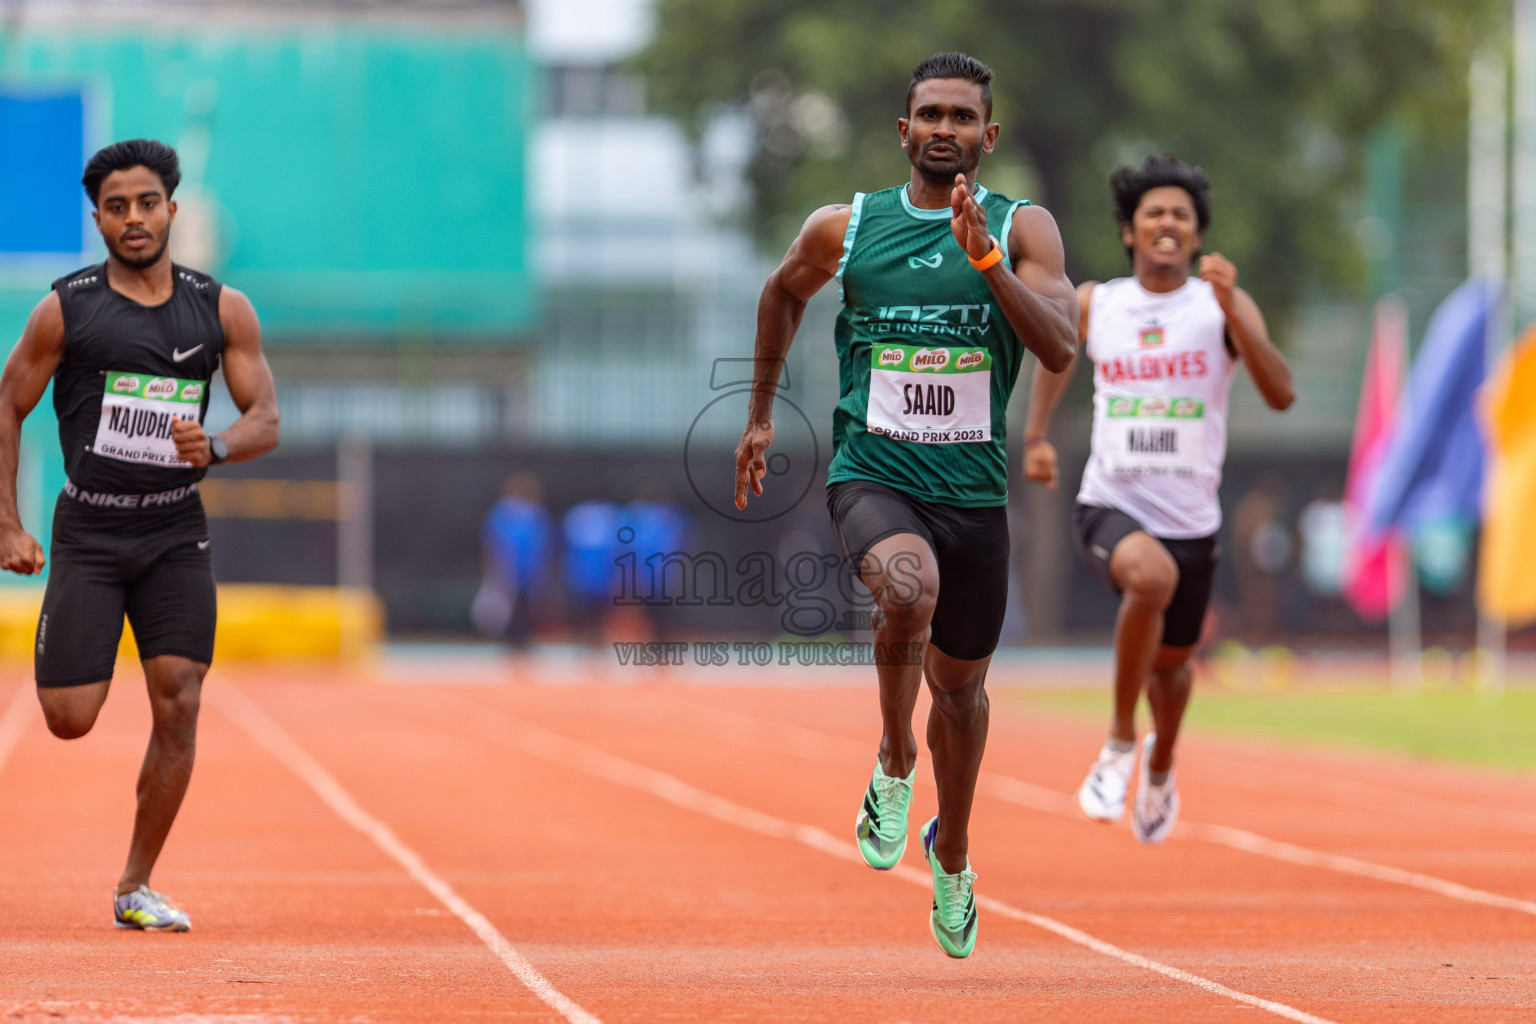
<point x="1274" y="99"/>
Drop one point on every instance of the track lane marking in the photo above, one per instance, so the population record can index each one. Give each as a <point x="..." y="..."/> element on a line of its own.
<point x="600" y="764"/>
<point x="14" y="723"/>
<point x="1263" y="777"/>
<point x="817" y="746"/>
<point x="270" y="736"/>
<point x="1233" y="773"/>
<point x="1252" y="842"/>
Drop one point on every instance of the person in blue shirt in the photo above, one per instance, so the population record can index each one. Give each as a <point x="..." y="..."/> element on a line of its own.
<point x="660" y="528"/>
<point x="517" y="541"/>
<point x="590" y="531"/>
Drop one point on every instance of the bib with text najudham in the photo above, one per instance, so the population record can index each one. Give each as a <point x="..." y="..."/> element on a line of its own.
<point x="137" y="411"/>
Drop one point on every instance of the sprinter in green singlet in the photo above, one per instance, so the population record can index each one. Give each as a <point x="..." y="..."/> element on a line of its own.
<point x="944" y="286"/>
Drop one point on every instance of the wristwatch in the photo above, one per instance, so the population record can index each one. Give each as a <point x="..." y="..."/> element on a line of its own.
<point x="218" y="451"/>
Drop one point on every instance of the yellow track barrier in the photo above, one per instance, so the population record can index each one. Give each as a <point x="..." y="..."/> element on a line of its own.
<point x="257" y="622"/>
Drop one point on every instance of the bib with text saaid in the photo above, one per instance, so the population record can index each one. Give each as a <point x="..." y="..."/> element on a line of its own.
<point x="137" y="410"/>
<point x="1154" y="436"/>
<point x="930" y="395"/>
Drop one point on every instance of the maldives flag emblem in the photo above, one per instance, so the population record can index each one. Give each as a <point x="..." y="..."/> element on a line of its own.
<point x="1151" y="336"/>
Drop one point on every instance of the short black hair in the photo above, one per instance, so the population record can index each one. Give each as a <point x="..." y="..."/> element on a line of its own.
<point x="1129" y="184"/>
<point x="120" y="156"/>
<point x="954" y="65"/>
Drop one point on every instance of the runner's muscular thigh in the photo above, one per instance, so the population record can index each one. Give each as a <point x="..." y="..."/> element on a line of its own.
<point x="1141" y="564"/>
<point x="71" y="711"/>
<point x="902" y="573"/>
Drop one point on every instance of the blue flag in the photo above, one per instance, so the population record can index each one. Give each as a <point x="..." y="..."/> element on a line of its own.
<point x="1433" y="467"/>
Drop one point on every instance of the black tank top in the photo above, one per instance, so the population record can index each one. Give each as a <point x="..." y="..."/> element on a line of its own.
<point x="128" y="372"/>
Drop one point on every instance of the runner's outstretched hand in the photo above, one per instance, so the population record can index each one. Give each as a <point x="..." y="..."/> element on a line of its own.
<point x="19" y="551"/>
<point x="968" y="220"/>
<point x="1040" y="463"/>
<point x="751" y="467"/>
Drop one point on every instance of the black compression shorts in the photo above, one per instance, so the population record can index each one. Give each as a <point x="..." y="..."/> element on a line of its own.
<point x="970" y="544"/>
<point x="154" y="565"/>
<point x="1100" y="529"/>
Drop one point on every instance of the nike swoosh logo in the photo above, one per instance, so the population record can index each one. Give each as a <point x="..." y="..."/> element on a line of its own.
<point x="932" y="262"/>
<point x="202" y="545"/>
<point x="178" y="355"/>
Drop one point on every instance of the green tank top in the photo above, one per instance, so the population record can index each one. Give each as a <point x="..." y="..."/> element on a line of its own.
<point x="926" y="359"/>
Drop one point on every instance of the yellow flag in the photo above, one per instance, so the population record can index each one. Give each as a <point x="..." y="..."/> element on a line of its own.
<point x="1506" y="588"/>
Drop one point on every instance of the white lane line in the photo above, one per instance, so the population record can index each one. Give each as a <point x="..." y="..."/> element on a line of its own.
<point x="1025" y="794"/>
<point x="608" y="767"/>
<point x="271" y="736"/>
<point x="1267" y="778"/>
<point x="1270" y="778"/>
<point x="17" y="717"/>
<point x="1099" y="945"/>
<point x="1252" y="842"/>
<point x="1049" y="801"/>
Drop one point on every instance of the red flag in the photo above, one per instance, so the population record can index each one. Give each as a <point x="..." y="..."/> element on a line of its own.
<point x="1375" y="564"/>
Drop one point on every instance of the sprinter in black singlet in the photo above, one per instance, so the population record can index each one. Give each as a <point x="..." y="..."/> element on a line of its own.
<point x="131" y="346"/>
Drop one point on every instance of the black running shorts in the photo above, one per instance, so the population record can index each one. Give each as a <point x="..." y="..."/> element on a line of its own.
<point x="154" y="565"/>
<point x="1100" y="529"/>
<point x="970" y="544"/>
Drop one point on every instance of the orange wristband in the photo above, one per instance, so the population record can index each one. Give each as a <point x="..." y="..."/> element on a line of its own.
<point x="990" y="260"/>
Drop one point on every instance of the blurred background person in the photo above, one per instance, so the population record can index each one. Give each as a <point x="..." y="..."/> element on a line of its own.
<point x="657" y="527"/>
<point x="590" y="530"/>
<point x="517" y="541"/>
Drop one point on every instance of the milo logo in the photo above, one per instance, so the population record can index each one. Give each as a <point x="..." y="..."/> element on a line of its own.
<point x="891" y="357"/>
<point x="160" y="387"/>
<point x="967" y="360"/>
<point x="192" y="393"/>
<point x="1122" y="406"/>
<point x="1153" y="407"/>
<point x="930" y="359"/>
<point x="124" y="385"/>
<point x="1186" y="407"/>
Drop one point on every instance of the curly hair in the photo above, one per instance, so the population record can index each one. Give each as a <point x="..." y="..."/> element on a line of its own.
<point x="120" y="156"/>
<point x="1128" y="184"/>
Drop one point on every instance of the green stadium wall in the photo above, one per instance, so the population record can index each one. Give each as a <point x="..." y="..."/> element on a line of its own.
<point x="366" y="181"/>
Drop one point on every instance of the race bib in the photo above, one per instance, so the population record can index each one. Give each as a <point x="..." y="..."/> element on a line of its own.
<point x="1154" y="436"/>
<point x="930" y="395"/>
<point x="137" y="410"/>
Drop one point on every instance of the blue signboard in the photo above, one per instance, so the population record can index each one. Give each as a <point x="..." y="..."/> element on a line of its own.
<point x="42" y="150"/>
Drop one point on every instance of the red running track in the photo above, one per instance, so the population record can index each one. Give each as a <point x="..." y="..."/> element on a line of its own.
<point x="355" y="848"/>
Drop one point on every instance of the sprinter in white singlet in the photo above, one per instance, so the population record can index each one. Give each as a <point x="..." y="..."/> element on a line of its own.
<point x="1165" y="344"/>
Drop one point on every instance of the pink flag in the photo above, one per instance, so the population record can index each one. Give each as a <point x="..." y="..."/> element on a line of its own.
<point x="1375" y="565"/>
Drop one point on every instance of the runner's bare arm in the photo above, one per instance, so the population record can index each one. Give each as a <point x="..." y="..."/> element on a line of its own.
<point x="1034" y="293"/>
<point x="250" y="385"/>
<point x="809" y="264"/>
<point x="1045" y="392"/>
<point x="1245" y="326"/>
<point x="31" y="365"/>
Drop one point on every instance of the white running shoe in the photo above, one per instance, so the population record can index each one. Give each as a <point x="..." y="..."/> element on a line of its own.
<point x="149" y="911"/>
<point x="1156" y="807"/>
<point x="1102" y="794"/>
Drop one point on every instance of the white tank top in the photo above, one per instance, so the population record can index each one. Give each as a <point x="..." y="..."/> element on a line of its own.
<point x="1161" y="378"/>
